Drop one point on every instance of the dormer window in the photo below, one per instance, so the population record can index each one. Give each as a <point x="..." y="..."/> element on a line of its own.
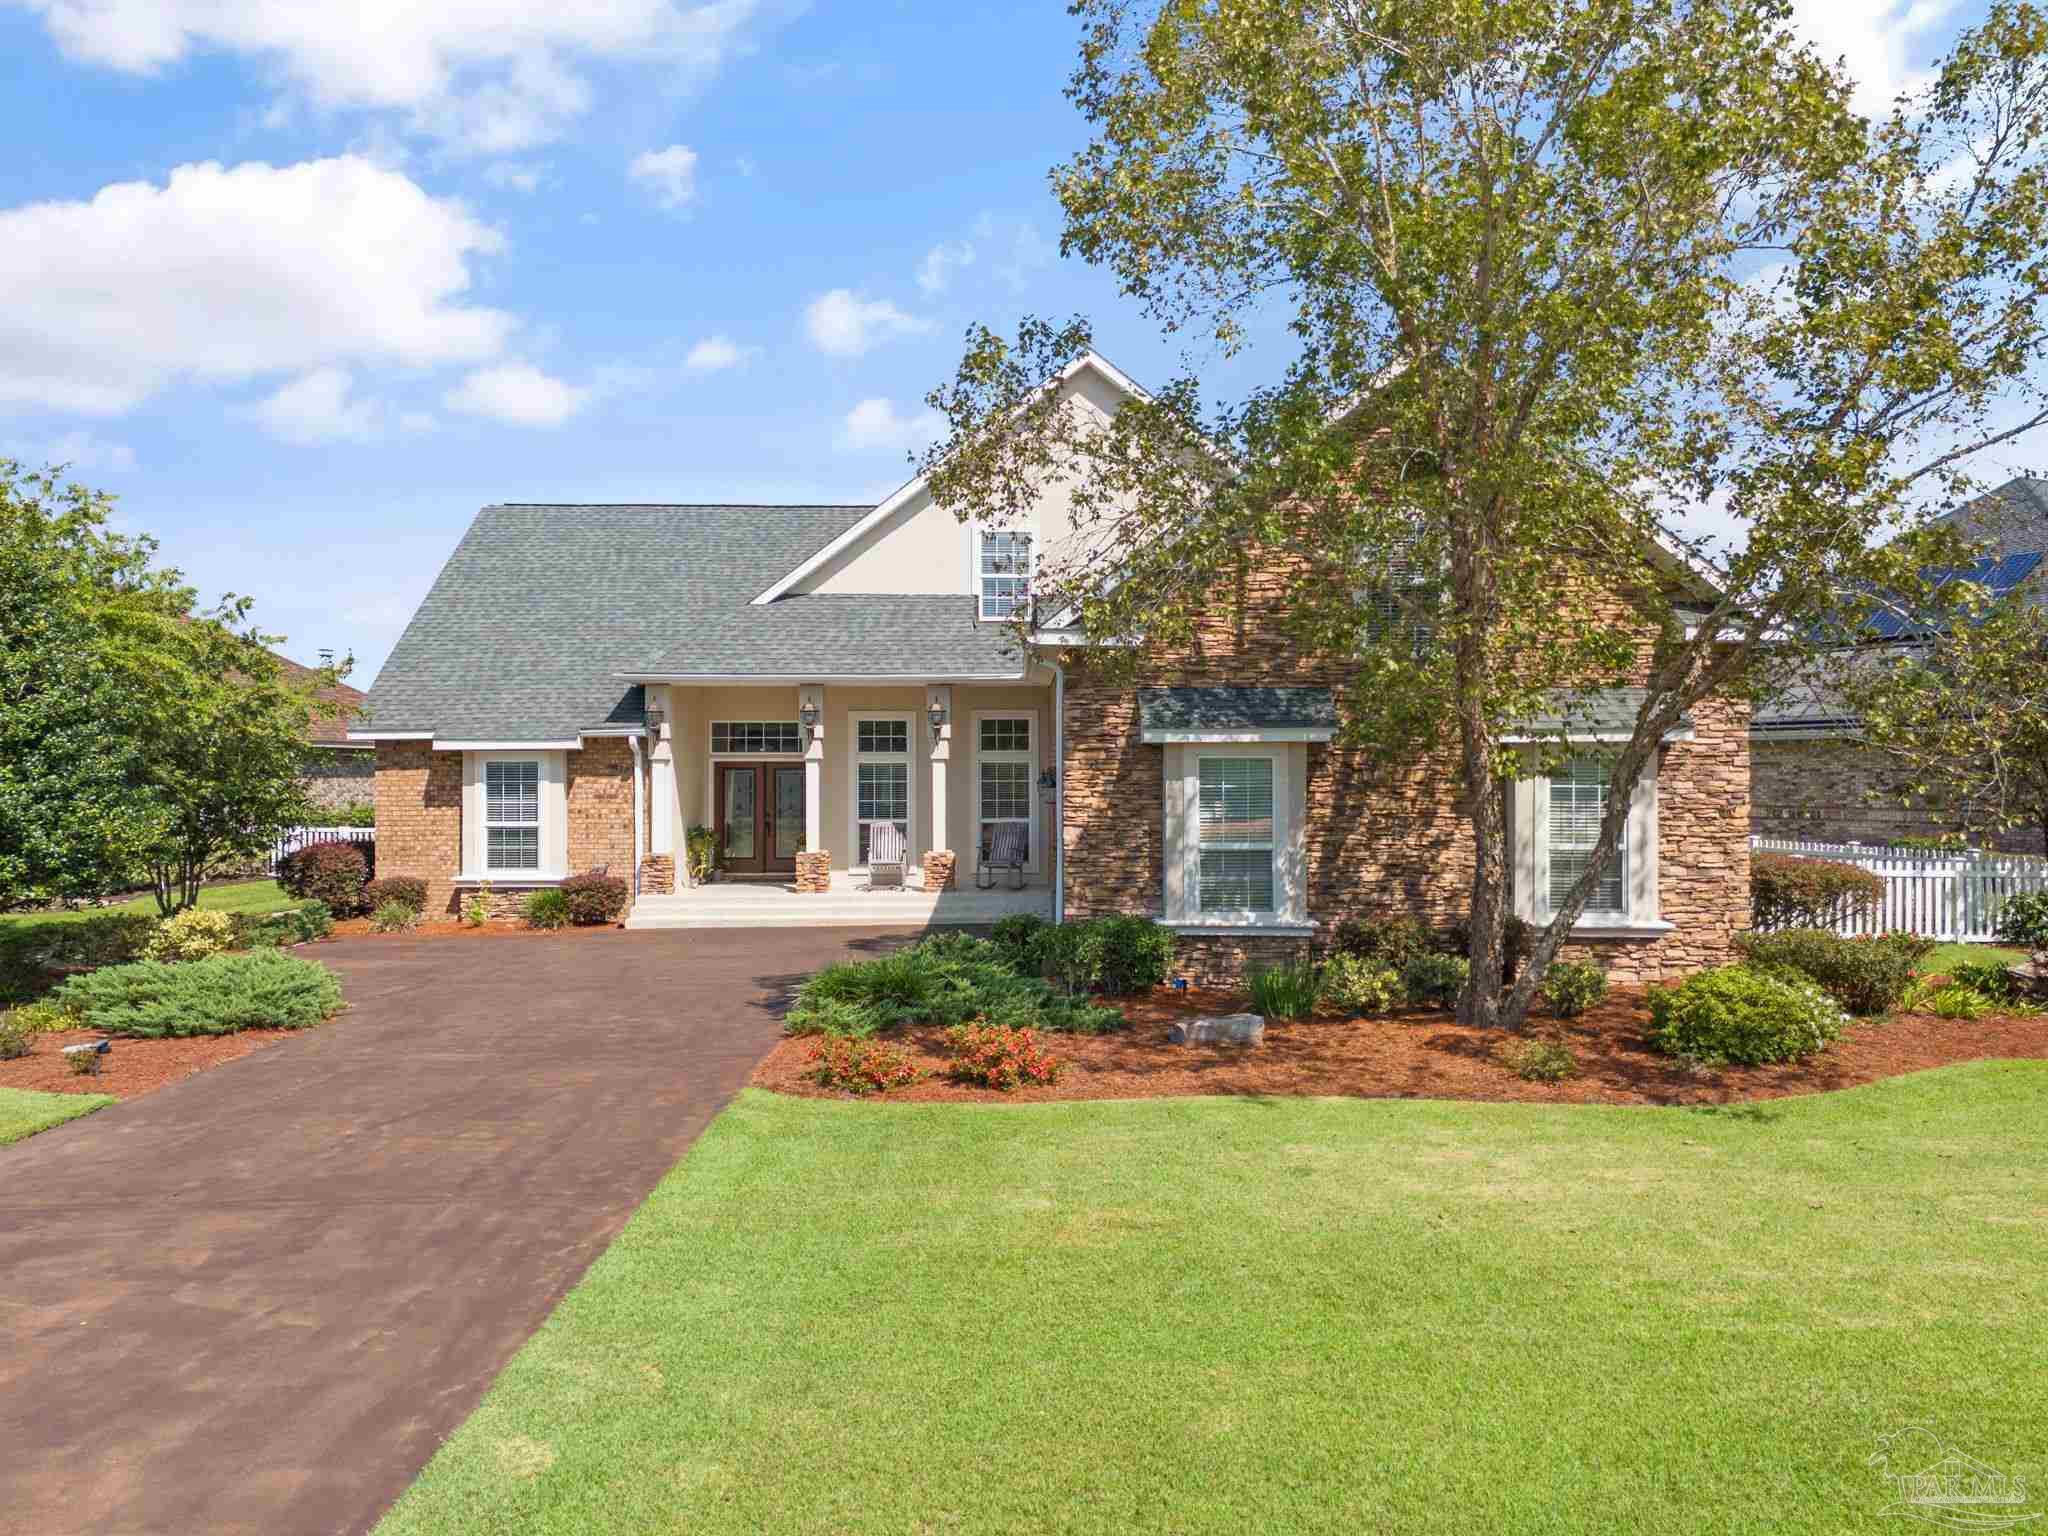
<point x="1003" y="573"/>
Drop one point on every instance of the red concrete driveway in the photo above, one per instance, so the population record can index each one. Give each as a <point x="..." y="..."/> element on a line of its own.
<point x="258" y="1300"/>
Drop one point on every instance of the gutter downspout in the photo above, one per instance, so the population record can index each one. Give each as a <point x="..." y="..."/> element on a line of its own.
<point x="1059" y="793"/>
<point x="639" y="821"/>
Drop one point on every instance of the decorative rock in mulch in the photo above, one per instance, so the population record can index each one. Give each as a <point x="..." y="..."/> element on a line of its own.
<point x="1231" y="1029"/>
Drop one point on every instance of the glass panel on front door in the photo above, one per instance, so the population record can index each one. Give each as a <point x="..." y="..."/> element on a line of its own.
<point x="789" y="814"/>
<point x="739" y="816"/>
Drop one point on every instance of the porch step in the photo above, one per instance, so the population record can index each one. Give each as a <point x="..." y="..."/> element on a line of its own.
<point x="714" y="907"/>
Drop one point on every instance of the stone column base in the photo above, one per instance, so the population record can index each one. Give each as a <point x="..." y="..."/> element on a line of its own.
<point x="938" y="870"/>
<point x="814" y="872"/>
<point x="658" y="875"/>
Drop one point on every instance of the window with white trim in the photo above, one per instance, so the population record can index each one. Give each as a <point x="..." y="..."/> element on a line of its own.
<point x="1400" y="604"/>
<point x="1235" y="835"/>
<point x="1003" y="572"/>
<point x="766" y="737"/>
<point x="512" y="816"/>
<point x="881" y="780"/>
<point x="1005" y="771"/>
<point x="1578" y="803"/>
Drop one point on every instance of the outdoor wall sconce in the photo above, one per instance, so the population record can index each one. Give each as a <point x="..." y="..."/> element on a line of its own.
<point x="937" y="715"/>
<point x="807" y="717"/>
<point x="655" y="718"/>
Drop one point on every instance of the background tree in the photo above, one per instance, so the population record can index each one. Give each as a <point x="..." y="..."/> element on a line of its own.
<point x="1962" y="719"/>
<point x="1548" y="272"/>
<point x="138" y="739"/>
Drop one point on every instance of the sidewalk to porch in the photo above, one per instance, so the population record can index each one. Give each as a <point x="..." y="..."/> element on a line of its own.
<point x="769" y="904"/>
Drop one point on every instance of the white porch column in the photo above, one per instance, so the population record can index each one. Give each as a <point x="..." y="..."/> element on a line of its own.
<point x="663" y="762"/>
<point x="939" y="696"/>
<point x="812" y="696"/>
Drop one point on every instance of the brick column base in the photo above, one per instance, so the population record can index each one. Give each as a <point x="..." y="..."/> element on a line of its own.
<point x="938" y="870"/>
<point x="814" y="873"/>
<point x="658" y="875"/>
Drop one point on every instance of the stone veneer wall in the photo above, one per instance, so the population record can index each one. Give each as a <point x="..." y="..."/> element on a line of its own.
<point x="419" y="817"/>
<point x="337" y="778"/>
<point x="1379" y="841"/>
<point x="1834" y="791"/>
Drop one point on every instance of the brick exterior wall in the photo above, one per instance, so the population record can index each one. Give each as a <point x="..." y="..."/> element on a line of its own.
<point x="1379" y="841"/>
<point x="1836" y="791"/>
<point x="419" y="817"/>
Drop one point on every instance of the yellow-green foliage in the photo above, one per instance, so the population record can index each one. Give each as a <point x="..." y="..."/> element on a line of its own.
<point x="191" y="935"/>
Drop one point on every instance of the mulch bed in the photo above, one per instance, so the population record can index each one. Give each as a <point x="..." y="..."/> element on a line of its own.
<point x="132" y="1067"/>
<point x="1425" y="1054"/>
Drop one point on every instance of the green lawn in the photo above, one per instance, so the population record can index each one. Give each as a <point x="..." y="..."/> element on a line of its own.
<point x="1945" y="957"/>
<point x="251" y="896"/>
<point x="23" y="1113"/>
<point x="1287" y="1315"/>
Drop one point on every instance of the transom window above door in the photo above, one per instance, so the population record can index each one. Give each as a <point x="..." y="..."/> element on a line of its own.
<point x="765" y="736"/>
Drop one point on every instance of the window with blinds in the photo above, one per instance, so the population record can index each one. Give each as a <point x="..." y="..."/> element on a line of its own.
<point x="512" y="816"/>
<point x="1578" y="800"/>
<point x="1005" y="772"/>
<point x="1005" y="573"/>
<point x="1235" y="835"/>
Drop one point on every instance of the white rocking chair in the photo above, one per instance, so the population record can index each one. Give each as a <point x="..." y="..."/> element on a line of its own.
<point x="885" y="856"/>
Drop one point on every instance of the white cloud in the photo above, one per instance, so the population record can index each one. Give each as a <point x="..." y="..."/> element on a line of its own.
<point x="515" y="175"/>
<point x="714" y="353"/>
<point x="518" y="394"/>
<point x="319" y="407"/>
<point x="1875" y="40"/>
<point x="875" y="424"/>
<point x="941" y="262"/>
<point x="669" y="174"/>
<point x="844" y="324"/>
<point x="225" y="274"/>
<point x="490" y="75"/>
<point x="83" y="453"/>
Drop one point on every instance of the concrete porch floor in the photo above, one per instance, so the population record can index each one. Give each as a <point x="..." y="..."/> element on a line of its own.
<point x="850" y="904"/>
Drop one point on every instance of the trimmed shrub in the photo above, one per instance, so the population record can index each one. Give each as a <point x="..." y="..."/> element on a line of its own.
<point x="1570" y="987"/>
<point x="1135" y="954"/>
<point x="476" y="911"/>
<point x="860" y="1066"/>
<point x="994" y="1056"/>
<point x="42" y="1018"/>
<point x="1435" y="980"/>
<point x="301" y="925"/>
<point x="1354" y="984"/>
<point x="1285" y="991"/>
<point x="1864" y="975"/>
<point x="1790" y="892"/>
<point x="944" y="980"/>
<point x="334" y="873"/>
<point x="149" y="1000"/>
<point x="1017" y="937"/>
<point x="2023" y="920"/>
<point x="406" y="890"/>
<point x="547" y="908"/>
<point x="595" y="898"/>
<point x="1991" y="977"/>
<point x="1383" y="943"/>
<point x="832" y="1016"/>
<point x="1544" y="1061"/>
<point x="191" y="935"/>
<point x="16" y="1038"/>
<point x="314" y="921"/>
<point x="1070" y="953"/>
<point x="1517" y="938"/>
<point x="1736" y="1013"/>
<point x="394" y="917"/>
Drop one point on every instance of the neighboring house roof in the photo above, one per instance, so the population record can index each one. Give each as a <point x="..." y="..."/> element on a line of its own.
<point x="2000" y="575"/>
<point x="1225" y="714"/>
<point x="341" y="707"/>
<point x="1599" y="714"/>
<point x="2011" y="519"/>
<point x="532" y="627"/>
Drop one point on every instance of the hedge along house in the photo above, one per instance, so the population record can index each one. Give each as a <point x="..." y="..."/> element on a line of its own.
<point x="585" y="684"/>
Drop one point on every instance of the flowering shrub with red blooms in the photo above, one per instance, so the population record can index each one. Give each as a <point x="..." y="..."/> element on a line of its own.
<point x="860" y="1066"/>
<point x="992" y="1056"/>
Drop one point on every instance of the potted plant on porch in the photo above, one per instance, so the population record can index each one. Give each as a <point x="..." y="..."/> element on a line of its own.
<point x="700" y="851"/>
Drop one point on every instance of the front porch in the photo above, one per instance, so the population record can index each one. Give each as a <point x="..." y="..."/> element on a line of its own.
<point x="849" y="903"/>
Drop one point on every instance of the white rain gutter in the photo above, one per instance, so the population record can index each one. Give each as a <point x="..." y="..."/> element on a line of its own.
<point x="639" y="824"/>
<point x="1059" y="794"/>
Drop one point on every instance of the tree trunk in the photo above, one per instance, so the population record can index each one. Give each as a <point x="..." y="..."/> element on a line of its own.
<point x="1480" y="1002"/>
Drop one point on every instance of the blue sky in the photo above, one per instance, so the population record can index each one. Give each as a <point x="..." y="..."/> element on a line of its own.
<point x="307" y="286"/>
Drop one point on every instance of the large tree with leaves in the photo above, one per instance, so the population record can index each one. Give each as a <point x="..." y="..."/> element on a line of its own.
<point x="138" y="737"/>
<point x="1547" y="273"/>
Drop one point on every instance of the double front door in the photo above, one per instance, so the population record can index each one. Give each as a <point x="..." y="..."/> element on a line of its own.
<point x="760" y="817"/>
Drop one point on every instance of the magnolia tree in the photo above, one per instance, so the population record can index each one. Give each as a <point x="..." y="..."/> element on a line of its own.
<point x="1546" y="276"/>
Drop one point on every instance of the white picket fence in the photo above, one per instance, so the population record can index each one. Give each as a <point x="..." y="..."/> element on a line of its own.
<point x="1953" y="897"/>
<point x="292" y="839"/>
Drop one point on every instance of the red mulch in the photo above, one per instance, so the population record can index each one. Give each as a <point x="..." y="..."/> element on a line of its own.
<point x="1422" y="1054"/>
<point x="133" y="1067"/>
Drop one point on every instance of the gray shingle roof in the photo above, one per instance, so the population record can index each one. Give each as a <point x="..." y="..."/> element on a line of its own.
<point x="1596" y="712"/>
<point x="1230" y="711"/>
<point x="838" y="635"/>
<point x="541" y="608"/>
